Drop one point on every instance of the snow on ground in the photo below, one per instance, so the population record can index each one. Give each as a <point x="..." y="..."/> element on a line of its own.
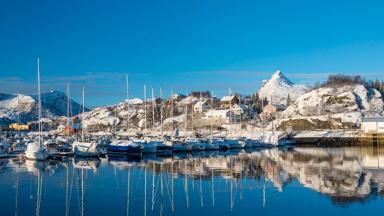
<point x="346" y="103"/>
<point x="327" y="134"/>
<point x="135" y="101"/>
<point x="176" y="119"/>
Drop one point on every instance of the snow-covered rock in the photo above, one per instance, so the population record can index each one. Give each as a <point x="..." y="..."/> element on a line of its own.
<point x="278" y="88"/>
<point x="135" y="101"/>
<point x="332" y="108"/>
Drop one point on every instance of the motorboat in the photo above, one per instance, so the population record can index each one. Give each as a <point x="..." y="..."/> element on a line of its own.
<point x="124" y="148"/>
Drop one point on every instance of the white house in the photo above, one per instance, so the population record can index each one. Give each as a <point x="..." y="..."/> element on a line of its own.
<point x="201" y="106"/>
<point x="227" y="101"/>
<point x="223" y="116"/>
<point x="372" y="125"/>
<point x="239" y="109"/>
<point x="60" y="128"/>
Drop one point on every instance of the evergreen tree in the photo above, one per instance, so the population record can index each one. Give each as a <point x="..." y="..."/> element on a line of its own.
<point x="256" y="102"/>
<point x="289" y="101"/>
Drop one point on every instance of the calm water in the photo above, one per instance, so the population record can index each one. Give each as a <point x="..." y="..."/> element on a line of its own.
<point x="300" y="181"/>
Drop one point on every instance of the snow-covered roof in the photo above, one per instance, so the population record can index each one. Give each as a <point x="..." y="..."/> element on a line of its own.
<point x="373" y="119"/>
<point x="227" y="98"/>
<point x="241" y="106"/>
<point x="188" y="100"/>
<point x="200" y="103"/>
<point x="217" y="112"/>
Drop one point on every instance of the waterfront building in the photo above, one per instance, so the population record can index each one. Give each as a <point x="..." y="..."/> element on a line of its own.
<point x="372" y="125"/>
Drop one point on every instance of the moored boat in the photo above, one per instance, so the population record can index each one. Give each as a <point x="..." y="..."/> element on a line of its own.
<point x="124" y="148"/>
<point x="36" y="152"/>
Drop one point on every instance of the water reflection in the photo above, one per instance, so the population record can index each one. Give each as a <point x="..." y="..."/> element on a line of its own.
<point x="186" y="183"/>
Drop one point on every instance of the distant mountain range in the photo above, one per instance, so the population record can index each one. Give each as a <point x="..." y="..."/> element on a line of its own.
<point x="23" y="108"/>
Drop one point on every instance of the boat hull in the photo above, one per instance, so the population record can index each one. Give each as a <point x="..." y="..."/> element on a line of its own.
<point x="84" y="149"/>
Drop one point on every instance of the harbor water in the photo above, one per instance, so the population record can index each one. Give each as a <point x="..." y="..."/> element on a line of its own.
<point x="300" y="181"/>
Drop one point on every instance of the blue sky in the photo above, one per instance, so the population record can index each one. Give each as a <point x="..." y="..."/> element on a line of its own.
<point x="184" y="45"/>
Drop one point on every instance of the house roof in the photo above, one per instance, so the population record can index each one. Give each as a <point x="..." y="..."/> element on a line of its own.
<point x="217" y="112"/>
<point x="227" y="98"/>
<point x="373" y="119"/>
<point x="201" y="102"/>
<point x="241" y="106"/>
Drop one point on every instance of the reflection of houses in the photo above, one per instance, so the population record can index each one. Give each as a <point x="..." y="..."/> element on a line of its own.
<point x="201" y="106"/>
<point x="227" y="101"/>
<point x="372" y="125"/>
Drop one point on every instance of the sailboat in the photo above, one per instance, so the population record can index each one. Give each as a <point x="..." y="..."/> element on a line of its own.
<point x="85" y="149"/>
<point x="127" y="147"/>
<point x="35" y="150"/>
<point x="149" y="146"/>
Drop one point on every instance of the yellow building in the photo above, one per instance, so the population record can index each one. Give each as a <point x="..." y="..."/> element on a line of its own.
<point x="19" y="127"/>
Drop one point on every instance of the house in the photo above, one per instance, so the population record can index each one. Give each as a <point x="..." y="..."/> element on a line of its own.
<point x="19" y="127"/>
<point x="227" y="102"/>
<point x="201" y="106"/>
<point x="270" y="109"/>
<point x="222" y="116"/>
<point x="372" y="125"/>
<point x="60" y="128"/>
<point x="69" y="130"/>
<point x="239" y="109"/>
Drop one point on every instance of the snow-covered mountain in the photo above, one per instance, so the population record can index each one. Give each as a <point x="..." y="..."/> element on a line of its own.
<point x="332" y="108"/>
<point x="278" y="88"/>
<point x="14" y="107"/>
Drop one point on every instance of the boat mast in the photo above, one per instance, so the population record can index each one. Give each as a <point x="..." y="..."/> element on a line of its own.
<point x="173" y="128"/>
<point x="127" y="98"/>
<point x="82" y="114"/>
<point x="145" y="108"/>
<point x="39" y="98"/>
<point x="211" y="126"/>
<point x="68" y="104"/>
<point x="161" y="110"/>
<point x="230" y="106"/>
<point x="186" y="120"/>
<point x="153" y="109"/>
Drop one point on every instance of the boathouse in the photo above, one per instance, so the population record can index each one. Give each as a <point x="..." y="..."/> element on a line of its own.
<point x="372" y="125"/>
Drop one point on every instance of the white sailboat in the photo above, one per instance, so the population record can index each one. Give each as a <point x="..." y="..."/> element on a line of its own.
<point x="84" y="149"/>
<point x="35" y="150"/>
<point x="148" y="146"/>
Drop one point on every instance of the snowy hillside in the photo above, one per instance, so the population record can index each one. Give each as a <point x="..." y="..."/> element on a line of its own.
<point x="332" y="107"/>
<point x="24" y="107"/>
<point x="278" y="88"/>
